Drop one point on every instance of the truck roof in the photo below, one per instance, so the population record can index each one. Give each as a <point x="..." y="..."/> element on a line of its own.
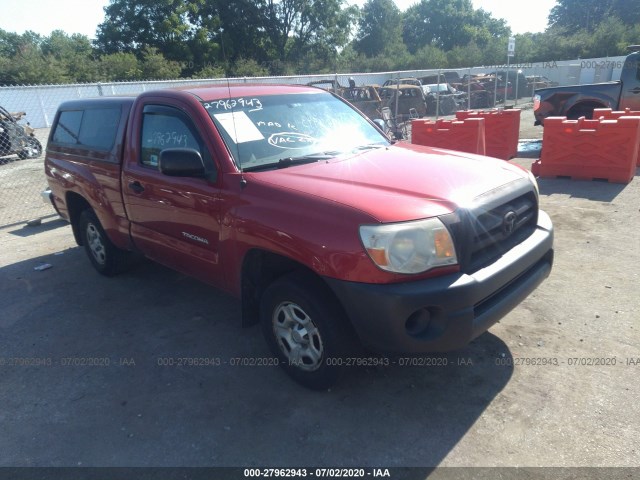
<point x="204" y="93"/>
<point x="97" y="102"/>
<point x="208" y="93"/>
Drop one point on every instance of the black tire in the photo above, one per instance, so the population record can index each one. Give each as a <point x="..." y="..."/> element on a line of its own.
<point x="581" y="111"/>
<point x="299" y="314"/>
<point x="105" y="257"/>
<point x="32" y="150"/>
<point x="447" y="106"/>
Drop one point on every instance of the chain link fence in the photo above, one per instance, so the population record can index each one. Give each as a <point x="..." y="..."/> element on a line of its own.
<point x="26" y="112"/>
<point x="21" y="174"/>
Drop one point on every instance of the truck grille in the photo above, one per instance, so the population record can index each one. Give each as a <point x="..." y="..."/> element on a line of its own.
<point x="487" y="230"/>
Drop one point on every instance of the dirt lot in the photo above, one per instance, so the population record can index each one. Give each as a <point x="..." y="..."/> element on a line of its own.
<point x="555" y="383"/>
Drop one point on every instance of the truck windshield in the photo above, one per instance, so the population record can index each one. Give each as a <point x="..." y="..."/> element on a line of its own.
<point x="271" y="130"/>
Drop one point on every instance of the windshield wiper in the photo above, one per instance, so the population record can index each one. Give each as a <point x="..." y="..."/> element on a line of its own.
<point x="370" y="146"/>
<point x="289" y="161"/>
<point x="316" y="157"/>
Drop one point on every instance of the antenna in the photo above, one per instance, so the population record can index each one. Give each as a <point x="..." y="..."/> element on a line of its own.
<point x="243" y="181"/>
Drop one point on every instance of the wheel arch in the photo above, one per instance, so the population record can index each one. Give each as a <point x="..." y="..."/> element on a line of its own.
<point x="259" y="269"/>
<point x="76" y="204"/>
<point x="585" y="105"/>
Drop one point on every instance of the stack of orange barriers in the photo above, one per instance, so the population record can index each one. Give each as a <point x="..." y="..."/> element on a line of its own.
<point x="463" y="136"/>
<point x="589" y="149"/>
<point x="502" y="130"/>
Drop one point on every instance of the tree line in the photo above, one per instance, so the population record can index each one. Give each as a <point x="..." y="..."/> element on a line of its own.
<point x="167" y="39"/>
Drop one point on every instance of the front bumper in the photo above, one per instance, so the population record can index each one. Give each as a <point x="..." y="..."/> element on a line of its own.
<point x="446" y="313"/>
<point x="47" y="197"/>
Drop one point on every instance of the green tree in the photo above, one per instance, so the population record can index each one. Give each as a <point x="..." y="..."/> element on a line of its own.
<point x="236" y="29"/>
<point x="447" y="24"/>
<point x="30" y="67"/>
<point x="120" y="67"/>
<point x="132" y="25"/>
<point x="379" y="28"/>
<point x="74" y="53"/>
<point x="10" y="43"/>
<point x="210" y="71"/>
<point x="572" y="15"/>
<point x="470" y="55"/>
<point x="296" y="27"/>
<point x="429" y="57"/>
<point x="248" y="67"/>
<point x="439" y="23"/>
<point x="154" y="66"/>
<point x="526" y="48"/>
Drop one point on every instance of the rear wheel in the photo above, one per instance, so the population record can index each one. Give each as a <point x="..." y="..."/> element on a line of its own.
<point x="106" y="258"/>
<point x="306" y="330"/>
<point x="582" y="111"/>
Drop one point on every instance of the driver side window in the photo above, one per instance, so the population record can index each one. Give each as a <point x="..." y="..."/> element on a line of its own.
<point x="167" y="127"/>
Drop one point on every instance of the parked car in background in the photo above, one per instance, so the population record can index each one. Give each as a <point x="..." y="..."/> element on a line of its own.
<point x="411" y="102"/>
<point x="575" y="101"/>
<point x="329" y="85"/>
<point x="17" y="139"/>
<point x="450" y="77"/>
<point x="517" y="83"/>
<point x="480" y="97"/>
<point x="365" y="98"/>
<point x="535" y="82"/>
<point x="488" y="83"/>
<point x="402" y="81"/>
<point x="444" y="98"/>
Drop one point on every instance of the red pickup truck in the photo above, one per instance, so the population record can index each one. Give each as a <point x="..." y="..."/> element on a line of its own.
<point x="288" y="198"/>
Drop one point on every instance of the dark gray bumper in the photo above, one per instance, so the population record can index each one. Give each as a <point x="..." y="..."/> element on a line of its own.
<point x="446" y="313"/>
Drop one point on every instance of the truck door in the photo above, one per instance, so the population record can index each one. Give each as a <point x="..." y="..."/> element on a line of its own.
<point x="630" y="96"/>
<point x="174" y="220"/>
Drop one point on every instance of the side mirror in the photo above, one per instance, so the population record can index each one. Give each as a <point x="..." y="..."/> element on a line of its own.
<point x="181" y="162"/>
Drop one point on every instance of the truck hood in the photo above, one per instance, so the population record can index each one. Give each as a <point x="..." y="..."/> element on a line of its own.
<point x="398" y="183"/>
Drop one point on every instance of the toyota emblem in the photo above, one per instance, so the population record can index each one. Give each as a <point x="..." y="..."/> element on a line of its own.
<point x="509" y="223"/>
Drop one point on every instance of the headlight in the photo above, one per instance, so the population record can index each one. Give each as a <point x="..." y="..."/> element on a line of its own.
<point x="536" y="102"/>
<point x="412" y="247"/>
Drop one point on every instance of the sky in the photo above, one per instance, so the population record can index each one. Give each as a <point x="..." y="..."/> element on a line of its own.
<point x="83" y="16"/>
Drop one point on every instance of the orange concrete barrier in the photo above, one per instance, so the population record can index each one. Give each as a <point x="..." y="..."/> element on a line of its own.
<point x="609" y="114"/>
<point x="501" y="130"/>
<point x="463" y="136"/>
<point x="589" y="149"/>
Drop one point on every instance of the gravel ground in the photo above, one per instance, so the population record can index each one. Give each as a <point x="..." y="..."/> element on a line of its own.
<point x="555" y="383"/>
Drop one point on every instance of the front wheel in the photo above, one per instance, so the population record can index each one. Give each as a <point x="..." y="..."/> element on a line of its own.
<point x="306" y="330"/>
<point x="106" y="258"/>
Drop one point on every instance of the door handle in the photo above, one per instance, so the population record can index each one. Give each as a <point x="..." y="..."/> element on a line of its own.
<point x="136" y="187"/>
<point x="635" y="90"/>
